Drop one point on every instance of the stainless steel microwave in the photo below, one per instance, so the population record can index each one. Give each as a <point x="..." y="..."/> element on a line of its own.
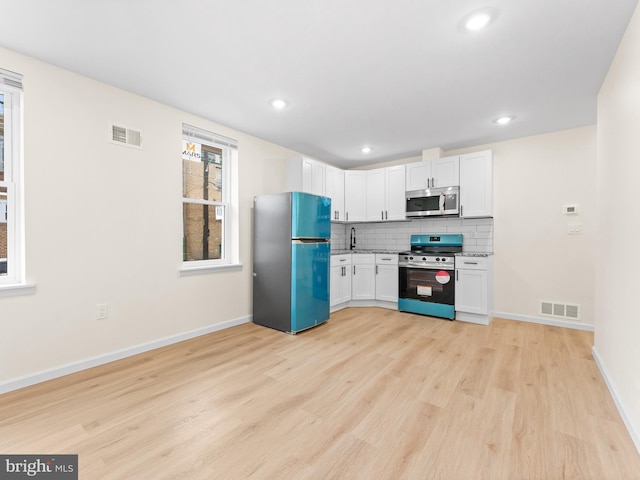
<point x="433" y="201"/>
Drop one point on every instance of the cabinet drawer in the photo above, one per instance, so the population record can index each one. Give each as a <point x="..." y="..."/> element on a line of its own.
<point x="337" y="260"/>
<point x="386" y="259"/>
<point x="472" y="263"/>
<point x="363" y="258"/>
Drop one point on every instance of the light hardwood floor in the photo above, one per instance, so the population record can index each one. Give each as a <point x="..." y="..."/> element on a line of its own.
<point x="372" y="394"/>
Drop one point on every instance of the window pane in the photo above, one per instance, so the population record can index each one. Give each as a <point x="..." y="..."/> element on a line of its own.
<point x="3" y="230"/>
<point x="203" y="232"/>
<point x="201" y="171"/>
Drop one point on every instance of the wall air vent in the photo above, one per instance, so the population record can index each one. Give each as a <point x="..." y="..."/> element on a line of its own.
<point x="125" y="136"/>
<point x="560" y="310"/>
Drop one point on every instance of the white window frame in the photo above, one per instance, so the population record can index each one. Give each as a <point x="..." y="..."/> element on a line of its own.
<point x="11" y="89"/>
<point x="229" y="255"/>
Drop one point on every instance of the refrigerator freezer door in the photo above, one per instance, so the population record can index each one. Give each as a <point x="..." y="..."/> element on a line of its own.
<point x="311" y="216"/>
<point x="309" y="284"/>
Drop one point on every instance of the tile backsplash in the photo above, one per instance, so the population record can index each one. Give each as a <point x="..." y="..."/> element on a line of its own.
<point x="395" y="236"/>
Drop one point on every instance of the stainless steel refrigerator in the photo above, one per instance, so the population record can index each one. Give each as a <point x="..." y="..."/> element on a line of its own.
<point x="291" y="253"/>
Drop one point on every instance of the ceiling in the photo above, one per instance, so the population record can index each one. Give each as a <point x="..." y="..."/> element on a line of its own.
<point x="400" y="76"/>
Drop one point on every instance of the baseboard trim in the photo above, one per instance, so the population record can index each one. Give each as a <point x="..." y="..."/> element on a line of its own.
<point x="635" y="436"/>
<point x="67" y="369"/>
<point x="545" y="321"/>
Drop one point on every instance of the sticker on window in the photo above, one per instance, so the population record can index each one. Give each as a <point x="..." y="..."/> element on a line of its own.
<point x="424" y="291"/>
<point x="443" y="277"/>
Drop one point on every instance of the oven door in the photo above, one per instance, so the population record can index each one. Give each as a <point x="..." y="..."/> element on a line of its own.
<point x="428" y="291"/>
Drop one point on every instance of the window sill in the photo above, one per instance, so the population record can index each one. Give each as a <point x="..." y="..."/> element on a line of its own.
<point x="201" y="270"/>
<point x="17" y="289"/>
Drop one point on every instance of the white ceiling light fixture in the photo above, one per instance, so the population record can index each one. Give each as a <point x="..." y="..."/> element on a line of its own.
<point x="479" y="19"/>
<point x="366" y="149"/>
<point x="504" y="120"/>
<point x="279" y="103"/>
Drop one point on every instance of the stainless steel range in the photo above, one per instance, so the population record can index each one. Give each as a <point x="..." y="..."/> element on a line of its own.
<point x="427" y="275"/>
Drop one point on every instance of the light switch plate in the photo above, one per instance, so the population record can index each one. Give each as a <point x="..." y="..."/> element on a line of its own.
<point x="574" y="229"/>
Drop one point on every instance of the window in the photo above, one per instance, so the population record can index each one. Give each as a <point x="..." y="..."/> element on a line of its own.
<point x="208" y="162"/>
<point x="11" y="237"/>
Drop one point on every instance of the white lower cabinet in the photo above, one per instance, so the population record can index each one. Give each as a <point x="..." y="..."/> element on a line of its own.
<point x="474" y="289"/>
<point x="363" y="280"/>
<point x="387" y="277"/>
<point x="340" y="279"/>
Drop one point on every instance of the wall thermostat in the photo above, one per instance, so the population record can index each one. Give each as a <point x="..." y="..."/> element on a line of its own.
<point x="570" y="209"/>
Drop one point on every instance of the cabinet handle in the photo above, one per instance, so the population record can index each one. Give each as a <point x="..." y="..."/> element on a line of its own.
<point x="433" y="182"/>
<point x="460" y="210"/>
<point x="342" y="271"/>
<point x="470" y="263"/>
<point x="354" y="269"/>
<point x="376" y="269"/>
<point x="457" y="273"/>
<point x="428" y="183"/>
<point x="386" y="215"/>
<point x="343" y="259"/>
<point x="347" y="216"/>
<point x="385" y="259"/>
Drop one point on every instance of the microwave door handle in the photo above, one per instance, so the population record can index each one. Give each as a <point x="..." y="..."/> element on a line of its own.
<point x="442" y="202"/>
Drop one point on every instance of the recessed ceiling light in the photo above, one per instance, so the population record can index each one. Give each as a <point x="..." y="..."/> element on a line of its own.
<point x="278" y="103"/>
<point x="504" y="120"/>
<point x="366" y="149"/>
<point x="477" y="21"/>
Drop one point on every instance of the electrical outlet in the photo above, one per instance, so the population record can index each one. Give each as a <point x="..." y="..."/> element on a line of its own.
<point x="102" y="311"/>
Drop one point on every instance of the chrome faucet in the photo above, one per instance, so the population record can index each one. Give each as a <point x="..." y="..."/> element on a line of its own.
<point x="353" y="239"/>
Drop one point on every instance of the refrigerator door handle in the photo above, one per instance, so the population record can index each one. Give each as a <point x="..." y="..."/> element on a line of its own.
<point x="302" y="241"/>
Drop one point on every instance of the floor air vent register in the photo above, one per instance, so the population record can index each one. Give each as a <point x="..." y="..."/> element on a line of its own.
<point x="560" y="310"/>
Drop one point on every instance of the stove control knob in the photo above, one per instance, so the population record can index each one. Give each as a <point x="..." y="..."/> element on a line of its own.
<point x="437" y="259"/>
<point x="410" y="258"/>
<point x="424" y="259"/>
<point x="443" y="259"/>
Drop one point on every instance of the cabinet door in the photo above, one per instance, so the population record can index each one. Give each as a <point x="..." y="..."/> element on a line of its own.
<point x="476" y="184"/>
<point x="417" y="175"/>
<point x="375" y="194"/>
<point x="345" y="285"/>
<point x="334" y="189"/>
<point x="340" y="284"/>
<point x="317" y="178"/>
<point x="355" y="195"/>
<point x="445" y="172"/>
<point x="387" y="283"/>
<point x="307" y="175"/>
<point x="395" y="193"/>
<point x="471" y="291"/>
<point x="363" y="282"/>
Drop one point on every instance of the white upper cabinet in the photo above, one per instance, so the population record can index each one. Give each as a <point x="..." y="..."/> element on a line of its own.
<point x="305" y="175"/>
<point x="375" y="194"/>
<point x="395" y="189"/>
<point x="334" y="189"/>
<point x="386" y="193"/>
<point x="476" y="184"/>
<point x="441" y="172"/>
<point x="355" y="195"/>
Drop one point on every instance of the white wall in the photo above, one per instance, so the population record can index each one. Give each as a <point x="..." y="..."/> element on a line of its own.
<point x="617" y="334"/>
<point x="535" y="258"/>
<point x="104" y="225"/>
